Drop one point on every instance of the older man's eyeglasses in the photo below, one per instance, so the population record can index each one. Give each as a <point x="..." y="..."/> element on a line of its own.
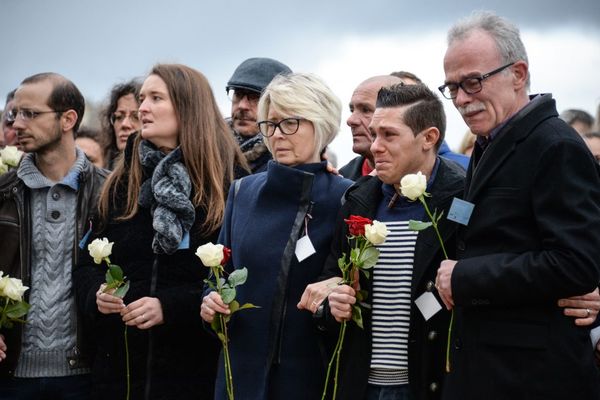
<point x="236" y="95"/>
<point x="27" y="115"/>
<point x="468" y="85"/>
<point x="287" y="126"/>
<point x="134" y="116"/>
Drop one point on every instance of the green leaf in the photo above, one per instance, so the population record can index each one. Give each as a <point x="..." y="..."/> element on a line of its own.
<point x="228" y="295"/>
<point x="247" y="306"/>
<point x="238" y="277"/>
<point x="357" y="316"/>
<point x="122" y="290"/>
<point x="17" y="309"/>
<point x="369" y="257"/>
<point x="439" y="216"/>
<point x="234" y="306"/>
<point x="418" y="225"/>
<point x="342" y="263"/>
<point x="221" y="337"/>
<point x="354" y="254"/>
<point x="215" y="325"/>
<point x="108" y="277"/>
<point x="361" y="295"/>
<point x="366" y="273"/>
<point x="116" y="272"/>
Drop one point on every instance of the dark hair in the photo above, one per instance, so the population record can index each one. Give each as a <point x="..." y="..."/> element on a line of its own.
<point x="425" y="111"/>
<point x="97" y="136"/>
<point x="574" y="115"/>
<point x="10" y="96"/>
<point x="117" y="91"/>
<point x="64" y="96"/>
<point x="592" y="135"/>
<point x="406" y="75"/>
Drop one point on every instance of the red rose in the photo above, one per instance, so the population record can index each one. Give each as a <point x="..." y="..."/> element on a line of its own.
<point x="356" y="224"/>
<point x="226" y="255"/>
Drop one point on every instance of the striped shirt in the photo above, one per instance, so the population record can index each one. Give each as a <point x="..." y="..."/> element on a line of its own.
<point x="391" y="300"/>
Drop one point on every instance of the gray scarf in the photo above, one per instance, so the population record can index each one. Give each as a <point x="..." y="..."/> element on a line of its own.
<point x="167" y="194"/>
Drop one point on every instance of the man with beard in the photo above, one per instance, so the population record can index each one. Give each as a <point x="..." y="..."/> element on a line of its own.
<point x="44" y="207"/>
<point x="244" y="88"/>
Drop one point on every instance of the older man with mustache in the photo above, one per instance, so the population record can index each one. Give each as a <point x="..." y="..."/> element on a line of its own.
<point x="244" y="89"/>
<point x="530" y="230"/>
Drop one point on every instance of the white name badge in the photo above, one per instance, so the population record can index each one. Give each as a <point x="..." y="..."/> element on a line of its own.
<point x="428" y="305"/>
<point x="304" y="248"/>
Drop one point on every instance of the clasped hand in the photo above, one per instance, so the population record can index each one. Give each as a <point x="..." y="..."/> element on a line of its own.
<point x="144" y="313"/>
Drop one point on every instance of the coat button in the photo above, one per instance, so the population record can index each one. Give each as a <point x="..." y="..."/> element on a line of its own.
<point x="433" y="386"/>
<point x="432" y="335"/>
<point x="55" y="214"/>
<point x="429" y="286"/>
<point x="55" y="196"/>
<point x="72" y="363"/>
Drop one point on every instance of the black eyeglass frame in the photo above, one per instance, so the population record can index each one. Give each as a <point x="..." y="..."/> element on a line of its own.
<point x="277" y="125"/>
<point x="479" y="80"/>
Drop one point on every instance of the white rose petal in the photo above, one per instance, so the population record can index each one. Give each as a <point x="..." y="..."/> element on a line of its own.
<point x="413" y="186"/>
<point x="11" y="156"/>
<point x="210" y="254"/>
<point x="12" y="288"/>
<point x="100" y="249"/>
<point x="376" y="233"/>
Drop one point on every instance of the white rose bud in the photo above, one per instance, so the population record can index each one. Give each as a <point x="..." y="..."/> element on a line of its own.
<point x="100" y="249"/>
<point x="413" y="185"/>
<point x="12" y="288"/>
<point x="3" y="167"/>
<point x="210" y="254"/>
<point x="11" y="156"/>
<point x="376" y="233"/>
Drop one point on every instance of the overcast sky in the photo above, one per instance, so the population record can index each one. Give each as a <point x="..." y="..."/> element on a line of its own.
<point x="99" y="43"/>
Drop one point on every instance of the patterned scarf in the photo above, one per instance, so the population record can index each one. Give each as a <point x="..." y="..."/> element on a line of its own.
<point x="167" y="194"/>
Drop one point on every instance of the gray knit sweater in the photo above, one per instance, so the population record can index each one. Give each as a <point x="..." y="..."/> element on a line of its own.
<point x="49" y="337"/>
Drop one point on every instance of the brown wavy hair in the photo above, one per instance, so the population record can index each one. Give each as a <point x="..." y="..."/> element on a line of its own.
<point x="210" y="153"/>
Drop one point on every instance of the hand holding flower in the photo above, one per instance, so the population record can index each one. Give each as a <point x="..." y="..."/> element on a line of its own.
<point x="107" y="302"/>
<point x="341" y="300"/>
<point x="213" y="304"/>
<point x="143" y="313"/>
<point x="443" y="282"/>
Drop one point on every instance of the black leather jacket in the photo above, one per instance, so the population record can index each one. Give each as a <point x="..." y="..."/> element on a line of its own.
<point x="15" y="245"/>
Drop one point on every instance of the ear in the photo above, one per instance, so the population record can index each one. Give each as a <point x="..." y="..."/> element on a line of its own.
<point x="431" y="136"/>
<point x="520" y="71"/>
<point x="68" y="120"/>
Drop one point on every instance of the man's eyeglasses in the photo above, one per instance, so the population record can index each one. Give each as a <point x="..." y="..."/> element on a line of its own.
<point x="287" y="126"/>
<point x="236" y="95"/>
<point x="134" y="116"/>
<point x="468" y="85"/>
<point x="27" y="115"/>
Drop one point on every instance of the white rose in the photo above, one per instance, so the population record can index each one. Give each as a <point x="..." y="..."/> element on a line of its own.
<point x="3" y="167"/>
<point x="11" y="155"/>
<point x="210" y="254"/>
<point x="12" y="288"/>
<point x="376" y="233"/>
<point x="100" y="249"/>
<point x="413" y="185"/>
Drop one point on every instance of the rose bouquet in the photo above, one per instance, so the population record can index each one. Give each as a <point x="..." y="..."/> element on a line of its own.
<point x="413" y="186"/>
<point x="9" y="158"/>
<point x="115" y="284"/>
<point x="12" y="306"/>
<point x="215" y="257"/>
<point x="364" y="236"/>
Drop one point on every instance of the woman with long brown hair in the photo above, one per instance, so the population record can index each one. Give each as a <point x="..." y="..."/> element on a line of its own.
<point x="165" y="197"/>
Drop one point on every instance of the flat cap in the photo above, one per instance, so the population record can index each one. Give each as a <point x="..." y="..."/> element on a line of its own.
<point x="256" y="73"/>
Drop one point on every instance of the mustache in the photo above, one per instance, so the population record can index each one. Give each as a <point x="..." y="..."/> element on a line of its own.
<point x="243" y="115"/>
<point x="471" y="108"/>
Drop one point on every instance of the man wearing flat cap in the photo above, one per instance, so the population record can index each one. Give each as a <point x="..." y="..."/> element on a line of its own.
<point x="246" y="84"/>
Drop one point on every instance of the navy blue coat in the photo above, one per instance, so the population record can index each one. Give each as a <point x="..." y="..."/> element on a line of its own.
<point x="275" y="350"/>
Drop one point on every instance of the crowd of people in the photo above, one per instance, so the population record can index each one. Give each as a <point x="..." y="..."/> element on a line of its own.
<point x="507" y="312"/>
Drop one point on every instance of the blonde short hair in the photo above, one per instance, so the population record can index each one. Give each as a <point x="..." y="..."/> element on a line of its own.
<point x="307" y="96"/>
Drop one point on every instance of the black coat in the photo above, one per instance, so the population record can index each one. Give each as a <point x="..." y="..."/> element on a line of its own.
<point x="175" y="360"/>
<point x="427" y="339"/>
<point x="533" y="238"/>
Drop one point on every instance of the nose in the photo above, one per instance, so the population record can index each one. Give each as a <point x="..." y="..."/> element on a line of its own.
<point x="18" y="123"/>
<point x="461" y="98"/>
<point x="376" y="146"/>
<point x="352" y="120"/>
<point x="143" y="106"/>
<point x="244" y="103"/>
